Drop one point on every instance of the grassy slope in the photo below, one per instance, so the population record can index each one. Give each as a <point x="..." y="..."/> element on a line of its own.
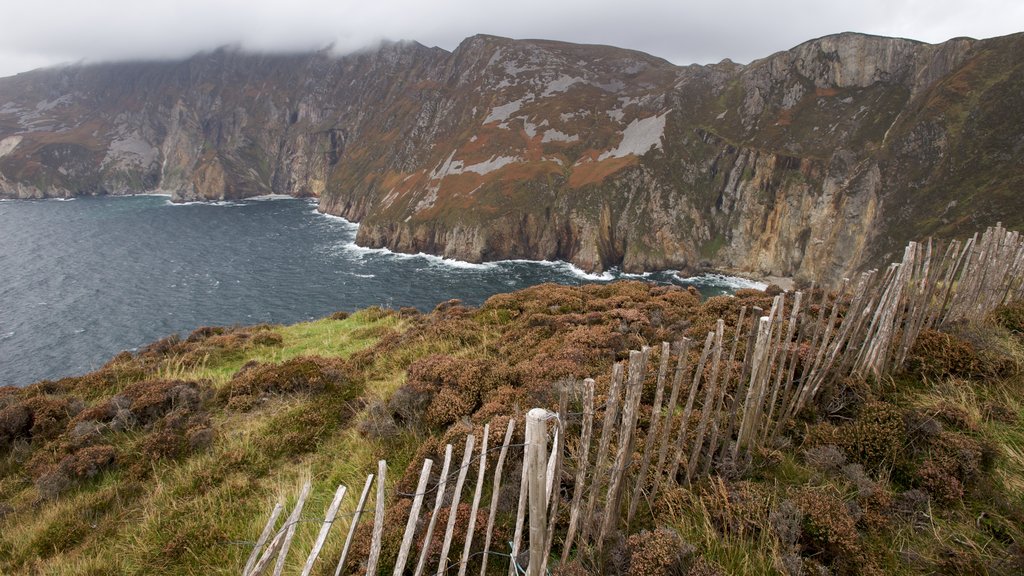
<point x="190" y="512"/>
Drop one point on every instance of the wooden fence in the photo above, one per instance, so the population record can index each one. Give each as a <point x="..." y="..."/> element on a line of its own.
<point x="726" y="397"/>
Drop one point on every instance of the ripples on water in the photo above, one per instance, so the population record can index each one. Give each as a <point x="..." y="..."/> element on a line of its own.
<point x="82" y="280"/>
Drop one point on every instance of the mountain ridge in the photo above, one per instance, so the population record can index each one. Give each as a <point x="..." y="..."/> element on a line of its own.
<point x="812" y="162"/>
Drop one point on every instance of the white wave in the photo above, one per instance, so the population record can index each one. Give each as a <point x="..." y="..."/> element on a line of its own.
<point x="343" y="220"/>
<point x="218" y="203"/>
<point x="62" y="199"/>
<point x="567" y="267"/>
<point x="264" y="197"/>
<point x="362" y="251"/>
<point x="363" y="275"/>
<point x="154" y="193"/>
<point x="722" y="281"/>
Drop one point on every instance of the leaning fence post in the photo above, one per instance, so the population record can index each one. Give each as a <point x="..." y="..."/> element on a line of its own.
<point x="378" y="521"/>
<point x="476" y="502"/>
<point x="414" y="516"/>
<point x="453" y="510"/>
<point x="495" y="490"/>
<point x="293" y="521"/>
<point x="537" y="456"/>
<point x="438" y="499"/>
<point x="613" y="501"/>
<point x="332" y="512"/>
<point x="268" y="529"/>
<point x="582" y="466"/>
<point x="352" y="525"/>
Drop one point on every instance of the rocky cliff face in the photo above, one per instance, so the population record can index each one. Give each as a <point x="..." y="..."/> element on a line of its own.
<point x="813" y="162"/>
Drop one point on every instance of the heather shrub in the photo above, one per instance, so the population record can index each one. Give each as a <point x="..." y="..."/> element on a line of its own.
<point x="1011" y="317"/>
<point x="786" y="522"/>
<point x="302" y="375"/>
<point x="826" y="458"/>
<point x="739" y="508"/>
<point x="872" y="439"/>
<point x="972" y="352"/>
<point x="658" y="552"/>
<point x="828" y="532"/>
<point x="37" y="418"/>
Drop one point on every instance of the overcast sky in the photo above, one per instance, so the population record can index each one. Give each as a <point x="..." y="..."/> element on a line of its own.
<point x="46" y="32"/>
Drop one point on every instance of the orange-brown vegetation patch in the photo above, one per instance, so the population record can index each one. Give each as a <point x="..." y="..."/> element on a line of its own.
<point x="595" y="172"/>
<point x="255" y="382"/>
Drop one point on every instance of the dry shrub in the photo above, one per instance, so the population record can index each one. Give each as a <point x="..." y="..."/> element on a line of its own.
<point x="828" y="533"/>
<point x="657" y="553"/>
<point x="302" y="375"/>
<point x="739" y="508"/>
<point x="874" y="439"/>
<point x="441" y="389"/>
<point x="912" y="506"/>
<point x="825" y="458"/>
<point x="378" y="424"/>
<point x="36" y="418"/>
<point x="1011" y="317"/>
<point x="952" y="463"/>
<point x="937" y="355"/>
<point x="998" y="412"/>
<point x="704" y="567"/>
<point x="82" y="464"/>
<point x="786" y="522"/>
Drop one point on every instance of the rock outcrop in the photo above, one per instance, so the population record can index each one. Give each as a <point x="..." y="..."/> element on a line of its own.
<point x="814" y="162"/>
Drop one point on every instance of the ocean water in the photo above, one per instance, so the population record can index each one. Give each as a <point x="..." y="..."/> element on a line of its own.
<point x="82" y="280"/>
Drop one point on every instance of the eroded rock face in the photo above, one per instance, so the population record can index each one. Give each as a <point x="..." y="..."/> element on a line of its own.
<point x="814" y="162"/>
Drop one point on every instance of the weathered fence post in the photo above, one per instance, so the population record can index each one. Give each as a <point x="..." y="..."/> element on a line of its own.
<point x="537" y="456"/>
<point x="268" y="529"/>
<point x="476" y="501"/>
<point x="293" y="522"/>
<point x="352" y="525"/>
<point x="613" y="502"/>
<point x="332" y="512"/>
<point x="414" y="516"/>
<point x="378" y="521"/>
<point x="582" y="466"/>
<point x="495" y="489"/>
<point x="442" y="483"/>
<point x="453" y="510"/>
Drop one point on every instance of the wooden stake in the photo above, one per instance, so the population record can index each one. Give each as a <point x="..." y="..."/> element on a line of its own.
<point x="600" y="464"/>
<point x="268" y="529"/>
<point x="293" y="524"/>
<point x="352" y="526"/>
<point x="682" y="354"/>
<point x="652" y="434"/>
<point x="613" y="502"/>
<point x="582" y="466"/>
<point x="378" y="520"/>
<point x="442" y="483"/>
<point x="332" y="512"/>
<point x="495" y="490"/>
<point x="476" y="501"/>
<point x="449" y="532"/>
<point x="697" y="375"/>
<point x="537" y="455"/>
<point x="709" y="401"/>
<point x="524" y="483"/>
<point x="414" y="515"/>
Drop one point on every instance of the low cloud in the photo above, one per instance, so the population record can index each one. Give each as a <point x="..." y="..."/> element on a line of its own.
<point x="47" y="32"/>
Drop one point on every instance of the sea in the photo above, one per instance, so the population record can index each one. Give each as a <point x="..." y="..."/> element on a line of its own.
<point x="83" y="279"/>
